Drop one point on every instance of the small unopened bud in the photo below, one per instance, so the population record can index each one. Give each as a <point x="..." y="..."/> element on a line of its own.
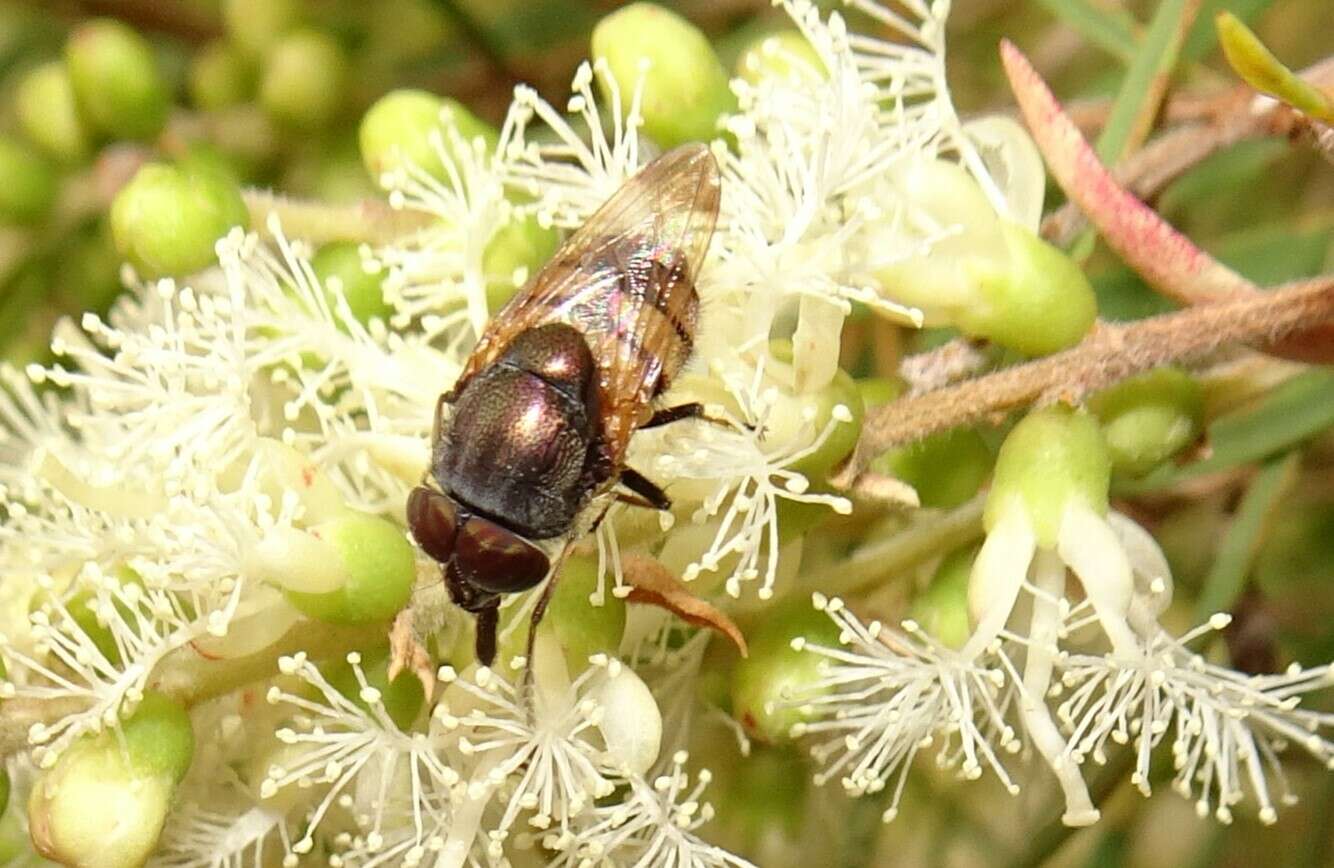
<point x="942" y="609"/>
<point x="380" y="567"/>
<point x="1037" y="301"/>
<point x="582" y="628"/>
<point x="785" y="55"/>
<point x="685" y="87"/>
<point x="833" y="413"/>
<point x="116" y="80"/>
<point x="946" y="469"/>
<point x="302" y="84"/>
<point x="1054" y="456"/>
<point x="769" y="683"/>
<point x="167" y="220"/>
<point x="1149" y="418"/>
<point x="28" y="184"/>
<point x="400" y="129"/>
<point x="342" y="271"/>
<point x="46" y="109"/>
<point x="987" y="276"/>
<point x="220" y="77"/>
<point x="105" y="801"/>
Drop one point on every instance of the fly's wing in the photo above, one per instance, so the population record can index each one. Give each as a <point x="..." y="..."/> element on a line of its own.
<point x="619" y="279"/>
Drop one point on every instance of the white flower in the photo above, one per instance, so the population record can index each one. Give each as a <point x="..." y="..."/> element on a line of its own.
<point x="739" y="476"/>
<point x="652" y="828"/>
<point x="887" y="694"/>
<point x="371" y="767"/>
<point x="245" y="836"/>
<point x="1228" y="728"/>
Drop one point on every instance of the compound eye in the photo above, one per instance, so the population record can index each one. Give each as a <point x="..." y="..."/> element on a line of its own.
<point x="434" y="521"/>
<point x="498" y="560"/>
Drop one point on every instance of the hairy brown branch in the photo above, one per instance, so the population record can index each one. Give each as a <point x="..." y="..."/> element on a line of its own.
<point x="1110" y="354"/>
<point x="370" y="220"/>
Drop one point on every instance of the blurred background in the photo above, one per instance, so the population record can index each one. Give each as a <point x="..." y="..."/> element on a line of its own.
<point x="272" y="92"/>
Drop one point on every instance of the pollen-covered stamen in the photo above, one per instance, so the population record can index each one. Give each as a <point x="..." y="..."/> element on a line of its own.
<point x="570" y="178"/>
<point x="540" y="755"/>
<point x="748" y="477"/>
<point x="436" y="277"/>
<point x="886" y="694"/>
<point x="655" y="825"/>
<point x="337" y="741"/>
<point x="1228" y="728"/>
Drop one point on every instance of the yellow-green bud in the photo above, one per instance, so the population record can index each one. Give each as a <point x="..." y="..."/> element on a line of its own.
<point x="105" y="801"/>
<point x="1054" y="456"/>
<point x="946" y="468"/>
<point x="1149" y="418"/>
<point x="302" y="83"/>
<point x="341" y="270"/>
<point x="398" y="128"/>
<point x="116" y="80"/>
<point x="582" y="628"/>
<point x="167" y="220"/>
<point x="942" y="609"/>
<point x="255" y="25"/>
<point x="46" y="109"/>
<point x="990" y="278"/>
<point x="768" y="684"/>
<point x="1037" y="302"/>
<point x="380" y="568"/>
<point x="28" y="183"/>
<point x="220" y="77"/>
<point x="838" y="404"/>
<point x="514" y="254"/>
<point x="401" y="698"/>
<point x="783" y="55"/>
<point x="685" y="86"/>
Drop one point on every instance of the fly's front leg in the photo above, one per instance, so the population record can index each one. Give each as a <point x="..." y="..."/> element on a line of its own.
<point x="652" y="496"/>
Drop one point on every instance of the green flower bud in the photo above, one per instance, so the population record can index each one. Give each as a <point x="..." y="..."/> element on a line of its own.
<point x="397" y="131"/>
<point x="992" y="278"/>
<point x="685" y="87"/>
<point x="946" y="468"/>
<point x="105" y="801"/>
<point x="1149" y="418"/>
<point x="28" y="184"/>
<point x="1037" y="302"/>
<point x="515" y="253"/>
<point x="783" y="55"/>
<point x="837" y="407"/>
<point x="380" y="565"/>
<point x="220" y="77"/>
<point x="45" y="105"/>
<point x="582" y="628"/>
<point x="117" y="83"/>
<point x="1053" y="456"/>
<point x="341" y="271"/>
<point x="255" y="25"/>
<point x="767" y="683"/>
<point x="303" y="80"/>
<point x="167" y="220"/>
<point x="942" y="609"/>
<point x="401" y="698"/>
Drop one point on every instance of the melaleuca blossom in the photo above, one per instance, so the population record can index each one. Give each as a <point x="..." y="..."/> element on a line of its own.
<point x="1075" y="590"/>
<point x="167" y="505"/>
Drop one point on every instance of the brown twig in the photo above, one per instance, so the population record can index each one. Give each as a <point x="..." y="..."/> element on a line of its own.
<point x="1110" y="354"/>
<point x="370" y="220"/>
